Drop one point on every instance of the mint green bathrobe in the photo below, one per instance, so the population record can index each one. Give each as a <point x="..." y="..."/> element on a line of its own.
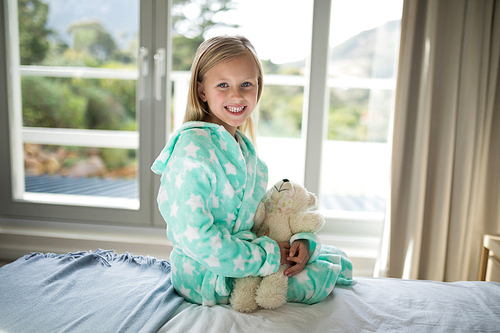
<point x="211" y="185"/>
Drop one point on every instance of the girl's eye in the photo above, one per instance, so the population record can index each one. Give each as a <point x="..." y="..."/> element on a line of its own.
<point x="246" y="84"/>
<point x="223" y="85"/>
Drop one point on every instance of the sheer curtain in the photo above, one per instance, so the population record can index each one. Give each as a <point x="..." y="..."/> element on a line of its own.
<point x="445" y="186"/>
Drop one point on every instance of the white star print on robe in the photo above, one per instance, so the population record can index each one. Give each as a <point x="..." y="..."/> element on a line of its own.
<point x="191" y="149"/>
<point x="230" y="169"/>
<point x="173" y="209"/>
<point x="178" y="181"/>
<point x="239" y="263"/>
<point x="194" y="202"/>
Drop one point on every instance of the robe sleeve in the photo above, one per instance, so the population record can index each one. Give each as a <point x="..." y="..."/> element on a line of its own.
<point x="185" y="200"/>
<point x="314" y="244"/>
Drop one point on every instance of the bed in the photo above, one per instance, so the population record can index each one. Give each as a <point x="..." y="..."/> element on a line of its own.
<point x="101" y="291"/>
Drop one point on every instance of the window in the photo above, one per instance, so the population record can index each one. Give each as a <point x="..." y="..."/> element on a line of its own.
<point x="361" y="81"/>
<point x="94" y="93"/>
<point x="352" y="180"/>
<point x="355" y="176"/>
<point x="283" y="48"/>
<point x="82" y="107"/>
<point x="78" y="102"/>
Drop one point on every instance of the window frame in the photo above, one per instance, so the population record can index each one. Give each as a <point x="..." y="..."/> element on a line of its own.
<point x="151" y="135"/>
<point x="360" y="233"/>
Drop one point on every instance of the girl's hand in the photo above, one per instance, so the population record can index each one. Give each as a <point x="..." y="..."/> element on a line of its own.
<point x="298" y="257"/>
<point x="284" y="249"/>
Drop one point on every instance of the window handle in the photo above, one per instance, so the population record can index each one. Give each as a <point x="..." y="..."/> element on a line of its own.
<point x="159" y="70"/>
<point x="143" y="70"/>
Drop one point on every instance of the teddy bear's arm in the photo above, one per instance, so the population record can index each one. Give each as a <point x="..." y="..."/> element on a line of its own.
<point x="311" y="221"/>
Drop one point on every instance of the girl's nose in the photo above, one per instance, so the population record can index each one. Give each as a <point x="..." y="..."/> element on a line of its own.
<point x="236" y="94"/>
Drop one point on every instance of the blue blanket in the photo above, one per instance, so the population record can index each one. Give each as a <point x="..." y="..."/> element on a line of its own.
<point x="86" y="292"/>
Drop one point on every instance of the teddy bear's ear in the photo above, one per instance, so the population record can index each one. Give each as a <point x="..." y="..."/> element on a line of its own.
<point x="313" y="201"/>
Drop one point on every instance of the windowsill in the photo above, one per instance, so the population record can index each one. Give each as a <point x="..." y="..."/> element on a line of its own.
<point x="20" y="237"/>
<point x="81" y="200"/>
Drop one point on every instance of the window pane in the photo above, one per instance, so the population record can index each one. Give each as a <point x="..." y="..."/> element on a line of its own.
<point x="103" y="104"/>
<point x="364" y="44"/>
<point x="64" y="170"/>
<point x="89" y="33"/>
<point x="283" y="48"/>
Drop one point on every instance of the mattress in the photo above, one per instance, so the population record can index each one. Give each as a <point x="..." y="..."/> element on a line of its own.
<point x="102" y="291"/>
<point x="373" y="305"/>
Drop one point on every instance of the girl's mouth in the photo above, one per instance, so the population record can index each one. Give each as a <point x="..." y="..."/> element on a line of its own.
<point x="235" y="109"/>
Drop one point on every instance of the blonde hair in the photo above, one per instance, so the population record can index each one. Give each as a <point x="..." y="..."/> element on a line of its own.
<point x="210" y="53"/>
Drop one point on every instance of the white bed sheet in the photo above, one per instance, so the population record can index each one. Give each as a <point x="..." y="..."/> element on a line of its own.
<point x="373" y="305"/>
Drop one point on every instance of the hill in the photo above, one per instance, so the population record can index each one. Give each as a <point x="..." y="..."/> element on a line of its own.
<point x="371" y="53"/>
<point x="368" y="54"/>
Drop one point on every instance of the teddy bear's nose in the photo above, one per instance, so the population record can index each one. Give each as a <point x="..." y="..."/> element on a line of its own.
<point x="286" y="181"/>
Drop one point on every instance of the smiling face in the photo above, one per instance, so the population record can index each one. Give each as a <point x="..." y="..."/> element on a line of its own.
<point x="230" y="89"/>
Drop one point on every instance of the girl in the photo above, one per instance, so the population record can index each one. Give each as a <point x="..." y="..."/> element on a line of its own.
<point x="212" y="180"/>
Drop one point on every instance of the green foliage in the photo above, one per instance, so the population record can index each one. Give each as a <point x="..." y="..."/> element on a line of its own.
<point x="33" y="43"/>
<point x="269" y="67"/>
<point x="77" y="103"/>
<point x="72" y="103"/>
<point x="91" y="39"/>
<point x="203" y="21"/>
<point x="189" y="33"/>
<point x="51" y="103"/>
<point x="345" y="118"/>
<point x="70" y="161"/>
<point x="185" y="50"/>
<point x="359" y="115"/>
<point x="281" y="111"/>
<point x="103" y="110"/>
<point x="123" y="91"/>
<point x="114" y="158"/>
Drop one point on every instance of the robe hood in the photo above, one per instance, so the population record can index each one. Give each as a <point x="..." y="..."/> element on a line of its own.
<point x="160" y="164"/>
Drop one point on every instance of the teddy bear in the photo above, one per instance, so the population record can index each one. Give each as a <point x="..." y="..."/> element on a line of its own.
<point x="286" y="209"/>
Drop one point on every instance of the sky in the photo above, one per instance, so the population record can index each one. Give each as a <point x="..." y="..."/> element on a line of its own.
<point x="281" y="29"/>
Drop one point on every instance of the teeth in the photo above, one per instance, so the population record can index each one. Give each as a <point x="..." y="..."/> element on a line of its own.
<point x="233" y="109"/>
